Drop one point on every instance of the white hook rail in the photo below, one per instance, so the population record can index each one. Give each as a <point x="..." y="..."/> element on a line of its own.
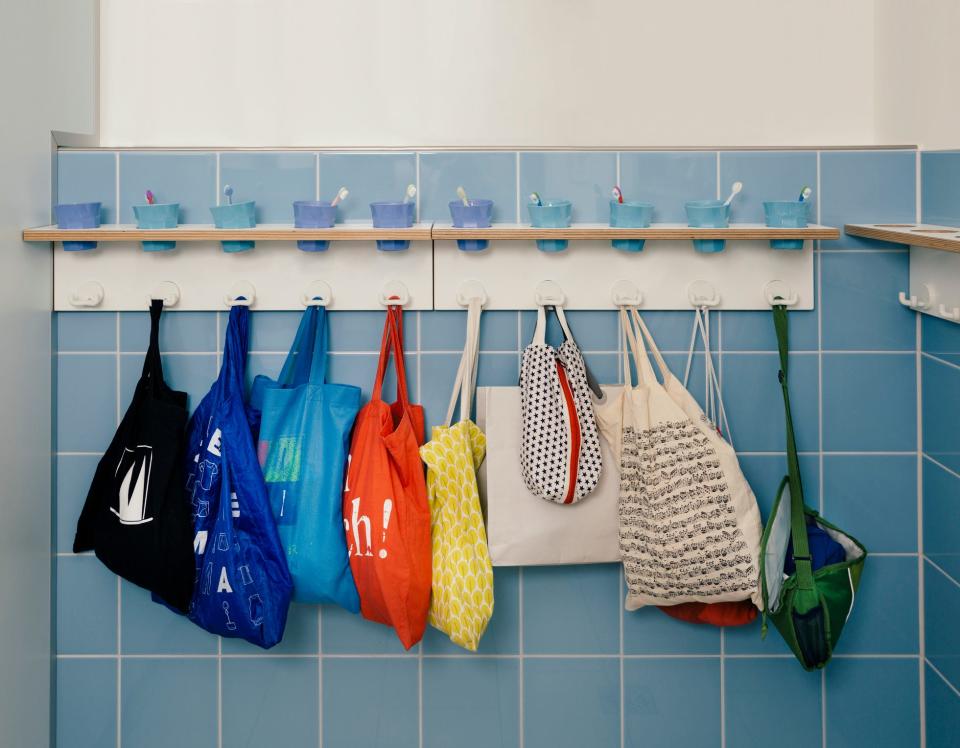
<point x="394" y="293"/>
<point x="549" y="293"/>
<point x="89" y="294"/>
<point x="778" y="293"/>
<point x="318" y="293"/>
<point x="242" y="293"/>
<point x="702" y="293"/>
<point x="625" y="293"/>
<point x="166" y="291"/>
<point x="470" y="290"/>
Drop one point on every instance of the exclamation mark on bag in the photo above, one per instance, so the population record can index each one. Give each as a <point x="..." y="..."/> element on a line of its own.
<point x="387" y="510"/>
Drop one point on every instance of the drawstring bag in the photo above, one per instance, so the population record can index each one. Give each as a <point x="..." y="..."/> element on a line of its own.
<point x="560" y="448"/>
<point x="135" y="517"/>
<point x="811" y="604"/>
<point x="689" y="523"/>
<point x="462" y="600"/>
<point x="244" y="586"/>
<point x="385" y="510"/>
<point x="304" y="432"/>
<point x="738" y="612"/>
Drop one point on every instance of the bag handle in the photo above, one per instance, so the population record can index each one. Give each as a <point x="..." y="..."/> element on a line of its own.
<point x="152" y="362"/>
<point x="651" y="343"/>
<point x="235" y="351"/>
<point x="714" y="409"/>
<point x="629" y="335"/>
<point x="540" y="331"/>
<point x="466" y="379"/>
<point x="392" y="342"/>
<point x="318" y="356"/>
<point x="295" y="369"/>
<point x="798" y="524"/>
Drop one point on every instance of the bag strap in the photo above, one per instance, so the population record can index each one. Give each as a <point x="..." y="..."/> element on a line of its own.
<point x="798" y="523"/>
<point x="634" y="340"/>
<point x="642" y="332"/>
<point x="235" y="351"/>
<point x="152" y="362"/>
<point x="318" y="356"/>
<point x="392" y="342"/>
<point x="466" y="379"/>
<point x="295" y="369"/>
<point x="713" y="407"/>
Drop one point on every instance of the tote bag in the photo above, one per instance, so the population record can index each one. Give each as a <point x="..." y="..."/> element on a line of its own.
<point x="385" y="511"/>
<point x="244" y="585"/>
<point x="560" y="452"/>
<point x="689" y="524"/>
<point x="462" y="601"/>
<point x="304" y="435"/>
<point x="135" y="518"/>
<point x="524" y="530"/>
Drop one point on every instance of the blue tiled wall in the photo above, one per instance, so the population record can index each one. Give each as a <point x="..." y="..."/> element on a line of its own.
<point x="561" y="664"/>
<point x="940" y="362"/>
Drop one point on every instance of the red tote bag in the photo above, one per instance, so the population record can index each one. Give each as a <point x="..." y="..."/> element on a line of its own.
<point x="385" y="510"/>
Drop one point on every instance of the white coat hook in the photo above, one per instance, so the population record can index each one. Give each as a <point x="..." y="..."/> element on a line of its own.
<point x="702" y="293"/>
<point x="318" y="293"/>
<point x="549" y="293"/>
<point x="470" y="290"/>
<point x="394" y="293"/>
<point x="89" y="294"/>
<point x="951" y="315"/>
<point x="625" y="293"/>
<point x="778" y="293"/>
<point x="166" y="291"/>
<point x="241" y="293"/>
<point x="922" y="300"/>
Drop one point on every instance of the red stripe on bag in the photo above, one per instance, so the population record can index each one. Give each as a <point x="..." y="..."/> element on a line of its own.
<point x="574" y="423"/>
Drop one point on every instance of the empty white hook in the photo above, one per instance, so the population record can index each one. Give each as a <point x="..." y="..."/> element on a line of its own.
<point x="242" y="293"/>
<point x="625" y="293"/>
<point x="778" y="293"/>
<point x="912" y="302"/>
<point x="469" y="290"/>
<point x="951" y="315"/>
<point x="701" y="293"/>
<point x="318" y="293"/>
<point x="549" y="293"/>
<point x="394" y="293"/>
<point x="89" y="294"/>
<point x="166" y="291"/>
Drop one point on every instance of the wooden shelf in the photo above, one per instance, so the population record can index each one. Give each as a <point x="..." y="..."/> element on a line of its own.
<point x="507" y="231"/>
<point x="946" y="238"/>
<point x="207" y="232"/>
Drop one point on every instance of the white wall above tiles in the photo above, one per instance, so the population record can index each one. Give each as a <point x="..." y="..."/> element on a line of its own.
<point x="536" y="73"/>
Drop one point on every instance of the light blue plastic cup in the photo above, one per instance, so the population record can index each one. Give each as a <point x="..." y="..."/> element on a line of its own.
<point x="237" y="216"/>
<point x="157" y="216"/>
<point x="553" y="214"/>
<point x="786" y="214"/>
<point x="708" y="214"/>
<point x="78" y="216"/>
<point x="630" y="215"/>
<point x="314" y="214"/>
<point x="392" y="215"/>
<point x="476" y="215"/>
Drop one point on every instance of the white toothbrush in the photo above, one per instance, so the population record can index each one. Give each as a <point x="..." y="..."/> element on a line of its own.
<point x="341" y="196"/>
<point x="410" y="194"/>
<point x="462" y="194"/>
<point x="734" y="191"/>
<point x="805" y="194"/>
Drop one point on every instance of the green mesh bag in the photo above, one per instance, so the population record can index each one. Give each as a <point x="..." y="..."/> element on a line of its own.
<point x="809" y="608"/>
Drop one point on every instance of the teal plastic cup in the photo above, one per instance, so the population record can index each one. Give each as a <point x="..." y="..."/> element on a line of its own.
<point x="786" y="214"/>
<point x="630" y="215"/>
<point x="237" y="216"/>
<point x="157" y="216"/>
<point x="553" y="214"/>
<point x="708" y="214"/>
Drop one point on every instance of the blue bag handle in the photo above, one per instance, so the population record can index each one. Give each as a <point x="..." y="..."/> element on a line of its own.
<point x="307" y="360"/>
<point x="235" y="352"/>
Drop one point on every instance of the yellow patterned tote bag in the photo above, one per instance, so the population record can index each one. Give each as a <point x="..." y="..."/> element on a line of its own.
<point x="462" y="600"/>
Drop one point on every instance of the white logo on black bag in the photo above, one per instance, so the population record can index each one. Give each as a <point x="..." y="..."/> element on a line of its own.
<point x="134" y="466"/>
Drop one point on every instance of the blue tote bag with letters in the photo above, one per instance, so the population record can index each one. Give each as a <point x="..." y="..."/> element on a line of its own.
<point x="303" y="445"/>
<point x="243" y="585"/>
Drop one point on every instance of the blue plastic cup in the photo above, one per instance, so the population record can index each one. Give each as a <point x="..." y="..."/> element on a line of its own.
<point x="78" y="216"/>
<point x="630" y="215"/>
<point x="476" y="215"/>
<point x="708" y="214"/>
<point x="314" y="214"/>
<point x="157" y="216"/>
<point x="553" y="214"/>
<point x="387" y="215"/>
<point x="237" y="216"/>
<point x="786" y="214"/>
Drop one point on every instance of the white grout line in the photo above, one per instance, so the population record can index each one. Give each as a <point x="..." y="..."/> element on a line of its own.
<point x="939" y="360"/>
<point x="416" y="160"/>
<point x="520" y="720"/>
<point x="116" y="184"/>
<point x="940" y="465"/>
<point x="818" y="259"/>
<point x="718" y="174"/>
<point x="943" y="571"/>
<point x="944" y="678"/>
<point x="517" y="177"/>
<point x="316" y="176"/>
<point x="320" y="676"/>
<point x="219" y="692"/>
<point x="921" y="606"/>
<point x="216" y="196"/>
<point x="620" y="606"/>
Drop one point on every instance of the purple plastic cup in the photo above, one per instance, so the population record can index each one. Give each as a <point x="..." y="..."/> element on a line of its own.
<point x="392" y="215"/>
<point x="78" y="216"/>
<point x="314" y="214"/>
<point x="476" y="215"/>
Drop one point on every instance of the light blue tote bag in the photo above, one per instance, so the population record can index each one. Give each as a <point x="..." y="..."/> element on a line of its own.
<point x="303" y="445"/>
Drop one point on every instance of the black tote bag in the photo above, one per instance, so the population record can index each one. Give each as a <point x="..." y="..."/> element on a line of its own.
<point x="135" y="517"/>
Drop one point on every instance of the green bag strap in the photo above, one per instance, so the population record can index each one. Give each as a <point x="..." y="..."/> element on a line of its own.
<point x="798" y="523"/>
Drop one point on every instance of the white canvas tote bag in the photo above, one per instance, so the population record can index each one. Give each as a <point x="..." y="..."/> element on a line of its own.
<point x="689" y="523"/>
<point x="522" y="529"/>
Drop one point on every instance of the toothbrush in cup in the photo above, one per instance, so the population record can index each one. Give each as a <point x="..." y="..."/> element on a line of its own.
<point x="462" y="194"/>
<point x="805" y="194"/>
<point x="340" y="197"/>
<point x="734" y="191"/>
<point x="535" y="199"/>
<point x="228" y="193"/>
<point x="149" y="197"/>
<point x="410" y="193"/>
<point x="617" y="194"/>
